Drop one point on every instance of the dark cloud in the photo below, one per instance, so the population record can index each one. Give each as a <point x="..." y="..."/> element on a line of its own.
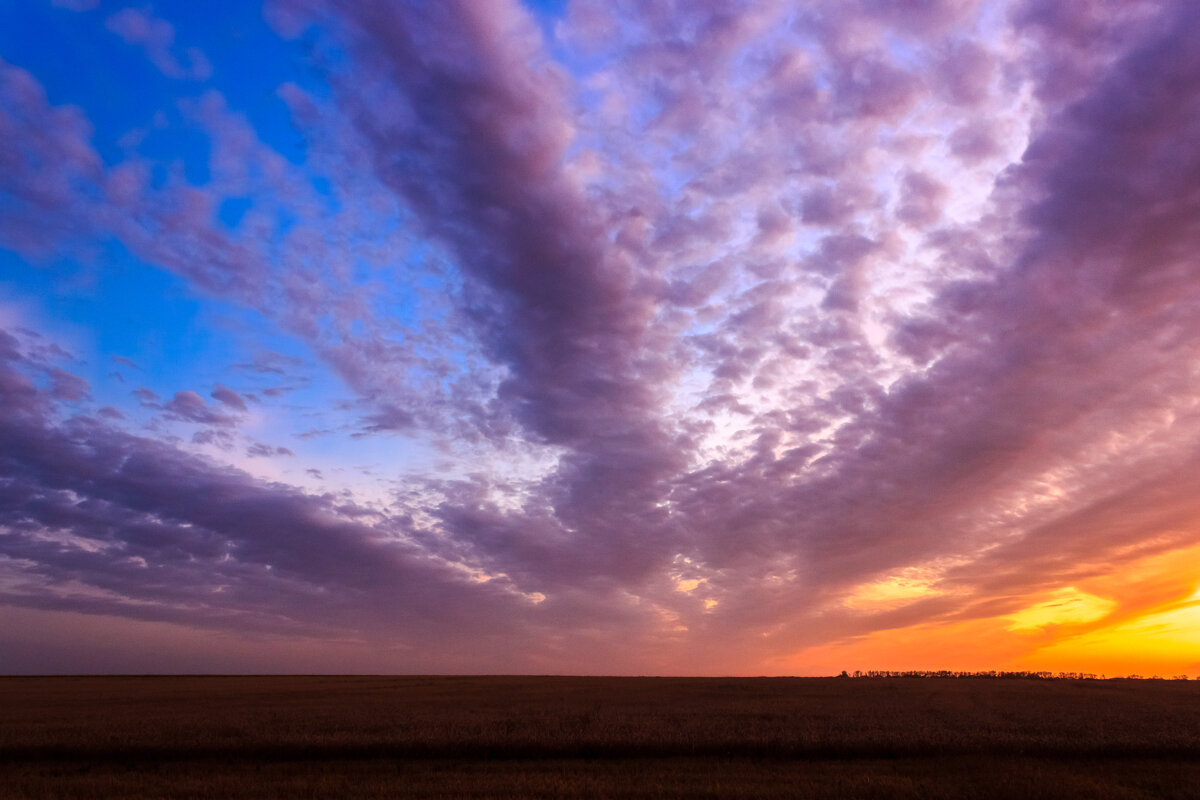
<point x="65" y="386"/>
<point x="974" y="141"/>
<point x="965" y="73"/>
<point x="270" y="362"/>
<point x="921" y="200"/>
<point x="187" y="406"/>
<point x="148" y="398"/>
<point x="46" y="213"/>
<point x="258" y="449"/>
<point x="217" y="437"/>
<point x="229" y="397"/>
<point x="169" y="536"/>
<point x="479" y="114"/>
<point x="390" y="418"/>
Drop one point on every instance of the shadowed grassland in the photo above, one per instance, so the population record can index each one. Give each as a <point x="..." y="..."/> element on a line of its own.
<point x="597" y="737"/>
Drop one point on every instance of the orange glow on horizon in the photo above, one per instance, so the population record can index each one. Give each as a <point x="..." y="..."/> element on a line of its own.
<point x="1137" y="618"/>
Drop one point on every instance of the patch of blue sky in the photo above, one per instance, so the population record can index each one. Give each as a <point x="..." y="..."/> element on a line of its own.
<point x="548" y="13"/>
<point x="168" y="337"/>
<point x="325" y="428"/>
<point x="123" y="309"/>
<point x="547" y="9"/>
<point x="80" y="63"/>
<point x="411" y="290"/>
<point x="116" y="306"/>
<point x="250" y="62"/>
<point x="324" y="188"/>
<point x="232" y="209"/>
<point x="578" y="62"/>
<point x="181" y="145"/>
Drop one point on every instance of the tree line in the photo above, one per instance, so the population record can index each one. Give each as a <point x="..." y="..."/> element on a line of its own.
<point x="1042" y="676"/>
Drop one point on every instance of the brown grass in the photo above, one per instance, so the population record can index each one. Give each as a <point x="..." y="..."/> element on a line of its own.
<point x="596" y="737"/>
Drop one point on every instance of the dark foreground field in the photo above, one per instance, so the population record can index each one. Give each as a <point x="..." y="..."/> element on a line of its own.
<point x="151" y="737"/>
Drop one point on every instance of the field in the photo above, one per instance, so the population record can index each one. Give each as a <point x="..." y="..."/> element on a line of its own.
<point x="551" y="737"/>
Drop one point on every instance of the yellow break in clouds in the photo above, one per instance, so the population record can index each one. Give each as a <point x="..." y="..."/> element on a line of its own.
<point x="906" y="586"/>
<point x="1166" y="641"/>
<point x="1067" y="606"/>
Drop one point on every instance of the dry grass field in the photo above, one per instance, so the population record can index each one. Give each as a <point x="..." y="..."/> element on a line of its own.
<point x="549" y="737"/>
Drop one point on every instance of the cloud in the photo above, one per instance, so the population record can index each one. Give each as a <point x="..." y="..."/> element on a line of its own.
<point x="229" y="397"/>
<point x="265" y="450"/>
<point x="157" y="37"/>
<point x="162" y="535"/>
<point x="45" y="210"/>
<point x="187" y="406"/>
<point x="921" y="203"/>
<point x="909" y="466"/>
<point x="269" y="362"/>
<point x="148" y="398"/>
<point x="65" y="386"/>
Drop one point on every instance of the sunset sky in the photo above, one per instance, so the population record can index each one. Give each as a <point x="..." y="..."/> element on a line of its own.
<point x="604" y="337"/>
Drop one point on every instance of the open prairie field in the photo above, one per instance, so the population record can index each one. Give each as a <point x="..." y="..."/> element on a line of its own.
<point x="549" y="737"/>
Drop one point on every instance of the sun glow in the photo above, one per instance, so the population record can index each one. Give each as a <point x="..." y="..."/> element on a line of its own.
<point x="1067" y="606"/>
<point x="895" y="591"/>
<point x="1165" y="642"/>
<point x="1141" y="617"/>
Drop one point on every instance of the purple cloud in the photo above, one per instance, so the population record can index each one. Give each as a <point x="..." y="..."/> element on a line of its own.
<point x="157" y="37"/>
<point x="65" y="386"/>
<point x="46" y="210"/>
<point x="188" y="406"/>
<point x="258" y="449"/>
<point x="229" y="397"/>
<point x="189" y="540"/>
<point x="148" y="398"/>
<point x="271" y="363"/>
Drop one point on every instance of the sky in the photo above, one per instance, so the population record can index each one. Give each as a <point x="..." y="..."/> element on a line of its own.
<point x="599" y="336"/>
